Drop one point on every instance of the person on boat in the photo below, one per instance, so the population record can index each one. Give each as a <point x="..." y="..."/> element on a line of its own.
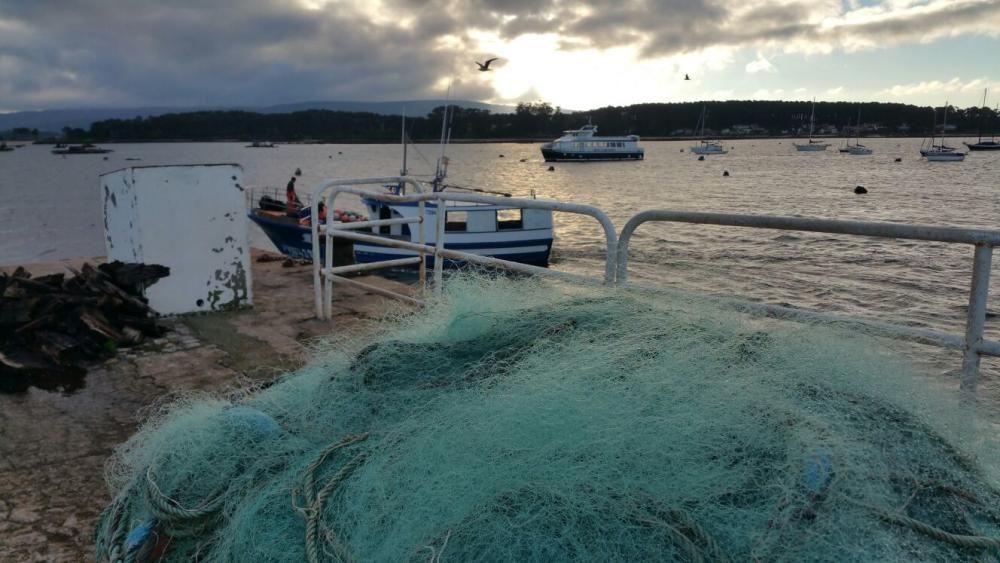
<point x="307" y="221"/>
<point x="292" y="204"/>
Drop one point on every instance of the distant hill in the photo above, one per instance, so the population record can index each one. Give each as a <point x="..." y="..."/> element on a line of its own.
<point x="53" y="120"/>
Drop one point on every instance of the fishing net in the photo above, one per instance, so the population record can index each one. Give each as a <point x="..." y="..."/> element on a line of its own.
<point x="526" y="421"/>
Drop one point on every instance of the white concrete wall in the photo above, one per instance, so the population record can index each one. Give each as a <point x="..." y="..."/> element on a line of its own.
<point x="191" y="219"/>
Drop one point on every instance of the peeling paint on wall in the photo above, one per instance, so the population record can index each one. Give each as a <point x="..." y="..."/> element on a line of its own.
<point x="170" y="219"/>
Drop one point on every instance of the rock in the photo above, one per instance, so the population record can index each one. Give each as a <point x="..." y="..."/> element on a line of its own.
<point x="501" y="156"/>
<point x="552" y="168"/>
<point x="898" y="160"/>
<point x="702" y="157"/>
<point x="860" y="190"/>
<point x="23" y="516"/>
<point x="725" y="173"/>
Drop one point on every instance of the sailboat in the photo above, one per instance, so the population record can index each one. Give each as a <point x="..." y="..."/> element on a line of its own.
<point x="858" y="148"/>
<point x="703" y="146"/>
<point x="942" y="152"/>
<point x="981" y="145"/>
<point x="812" y="146"/>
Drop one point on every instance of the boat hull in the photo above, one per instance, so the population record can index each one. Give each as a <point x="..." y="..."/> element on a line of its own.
<point x="552" y="155"/>
<point x="296" y="241"/>
<point x="983" y="146"/>
<point x="705" y="151"/>
<point x="817" y="147"/>
<point x="952" y="157"/>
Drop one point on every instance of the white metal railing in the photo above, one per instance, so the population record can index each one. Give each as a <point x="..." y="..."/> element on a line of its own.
<point x="325" y="274"/>
<point x="973" y="344"/>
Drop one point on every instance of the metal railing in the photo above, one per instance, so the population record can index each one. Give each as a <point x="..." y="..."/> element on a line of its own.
<point x="325" y="274"/>
<point x="972" y="343"/>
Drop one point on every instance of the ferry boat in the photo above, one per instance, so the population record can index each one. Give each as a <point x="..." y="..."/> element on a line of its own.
<point x="584" y="144"/>
<point x="85" y="148"/>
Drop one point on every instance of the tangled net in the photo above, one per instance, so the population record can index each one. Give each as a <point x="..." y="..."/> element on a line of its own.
<point x="521" y="421"/>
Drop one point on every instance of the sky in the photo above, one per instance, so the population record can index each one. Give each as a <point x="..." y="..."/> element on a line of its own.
<point x="578" y="55"/>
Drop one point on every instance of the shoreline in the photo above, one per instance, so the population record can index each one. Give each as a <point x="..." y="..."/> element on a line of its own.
<point x="498" y="140"/>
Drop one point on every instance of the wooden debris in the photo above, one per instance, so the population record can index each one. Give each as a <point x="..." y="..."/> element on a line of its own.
<point x="51" y="326"/>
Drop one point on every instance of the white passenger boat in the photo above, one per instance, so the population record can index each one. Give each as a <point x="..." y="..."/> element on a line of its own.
<point x="584" y="144"/>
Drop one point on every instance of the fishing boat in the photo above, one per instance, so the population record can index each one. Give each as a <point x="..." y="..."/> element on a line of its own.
<point x="584" y="144"/>
<point x="941" y="152"/>
<point x="704" y="146"/>
<point x="499" y="231"/>
<point x="812" y="145"/>
<point x="981" y="145"/>
<point x="857" y="148"/>
<point x="85" y="148"/>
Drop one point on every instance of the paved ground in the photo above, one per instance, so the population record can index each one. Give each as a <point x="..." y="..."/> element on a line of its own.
<point x="53" y="446"/>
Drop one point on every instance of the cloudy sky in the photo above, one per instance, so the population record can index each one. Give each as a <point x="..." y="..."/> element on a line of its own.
<point x="577" y="54"/>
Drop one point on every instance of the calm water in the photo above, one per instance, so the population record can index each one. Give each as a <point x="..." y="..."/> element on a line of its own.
<point x="50" y="209"/>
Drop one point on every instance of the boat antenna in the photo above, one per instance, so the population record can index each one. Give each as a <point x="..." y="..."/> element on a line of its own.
<point x="402" y="171"/>
<point x="442" y="165"/>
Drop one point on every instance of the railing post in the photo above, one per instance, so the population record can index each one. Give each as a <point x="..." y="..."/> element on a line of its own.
<point x="976" y="322"/>
<point x="442" y="211"/>
<point x="421" y="240"/>
<point x="327" y="282"/>
<point x="317" y="277"/>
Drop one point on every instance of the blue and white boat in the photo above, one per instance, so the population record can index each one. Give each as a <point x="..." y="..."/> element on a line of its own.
<point x="510" y="233"/>
<point x="499" y="231"/>
<point x="584" y="144"/>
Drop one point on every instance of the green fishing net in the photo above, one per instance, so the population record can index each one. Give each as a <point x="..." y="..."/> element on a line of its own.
<point x="520" y="420"/>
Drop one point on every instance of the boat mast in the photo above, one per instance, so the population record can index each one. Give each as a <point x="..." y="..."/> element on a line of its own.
<point x="442" y="164"/>
<point x="858" y="126"/>
<point x="402" y="171"/>
<point x="812" y="118"/>
<point x="982" y="115"/>
<point x="944" y="124"/>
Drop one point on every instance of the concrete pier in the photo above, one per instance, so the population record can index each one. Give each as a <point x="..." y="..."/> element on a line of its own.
<point x="53" y="446"/>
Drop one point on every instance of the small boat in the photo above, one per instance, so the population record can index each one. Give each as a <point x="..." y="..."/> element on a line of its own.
<point x="496" y="230"/>
<point x="705" y="146"/>
<point x="584" y="144"/>
<point x="811" y="146"/>
<point x="981" y="145"/>
<point x="857" y="148"/>
<point x="262" y="145"/>
<point x="941" y="152"/>
<point x="85" y="148"/>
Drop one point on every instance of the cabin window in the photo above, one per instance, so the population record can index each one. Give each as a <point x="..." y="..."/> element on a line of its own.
<point x="456" y="221"/>
<point x="384" y="212"/>
<point x="509" y="219"/>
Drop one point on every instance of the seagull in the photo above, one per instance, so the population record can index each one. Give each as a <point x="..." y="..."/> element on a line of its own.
<point x="686" y="77"/>
<point x="483" y="67"/>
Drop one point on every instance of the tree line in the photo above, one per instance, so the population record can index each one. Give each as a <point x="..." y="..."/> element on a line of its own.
<point x="537" y="120"/>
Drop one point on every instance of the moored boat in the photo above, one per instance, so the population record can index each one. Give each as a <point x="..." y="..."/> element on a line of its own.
<point x="85" y="148"/>
<point x="584" y="144"/>
<point x="705" y="146"/>
<point x="981" y="145"/>
<point x="812" y="145"/>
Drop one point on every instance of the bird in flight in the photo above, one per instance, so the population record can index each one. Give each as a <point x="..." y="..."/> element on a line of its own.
<point x="686" y="77"/>
<point x="483" y="67"/>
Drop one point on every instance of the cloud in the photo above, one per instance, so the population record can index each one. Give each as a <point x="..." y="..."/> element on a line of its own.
<point x="953" y="86"/>
<point x="760" y="64"/>
<point x="836" y="92"/>
<point x="220" y="52"/>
